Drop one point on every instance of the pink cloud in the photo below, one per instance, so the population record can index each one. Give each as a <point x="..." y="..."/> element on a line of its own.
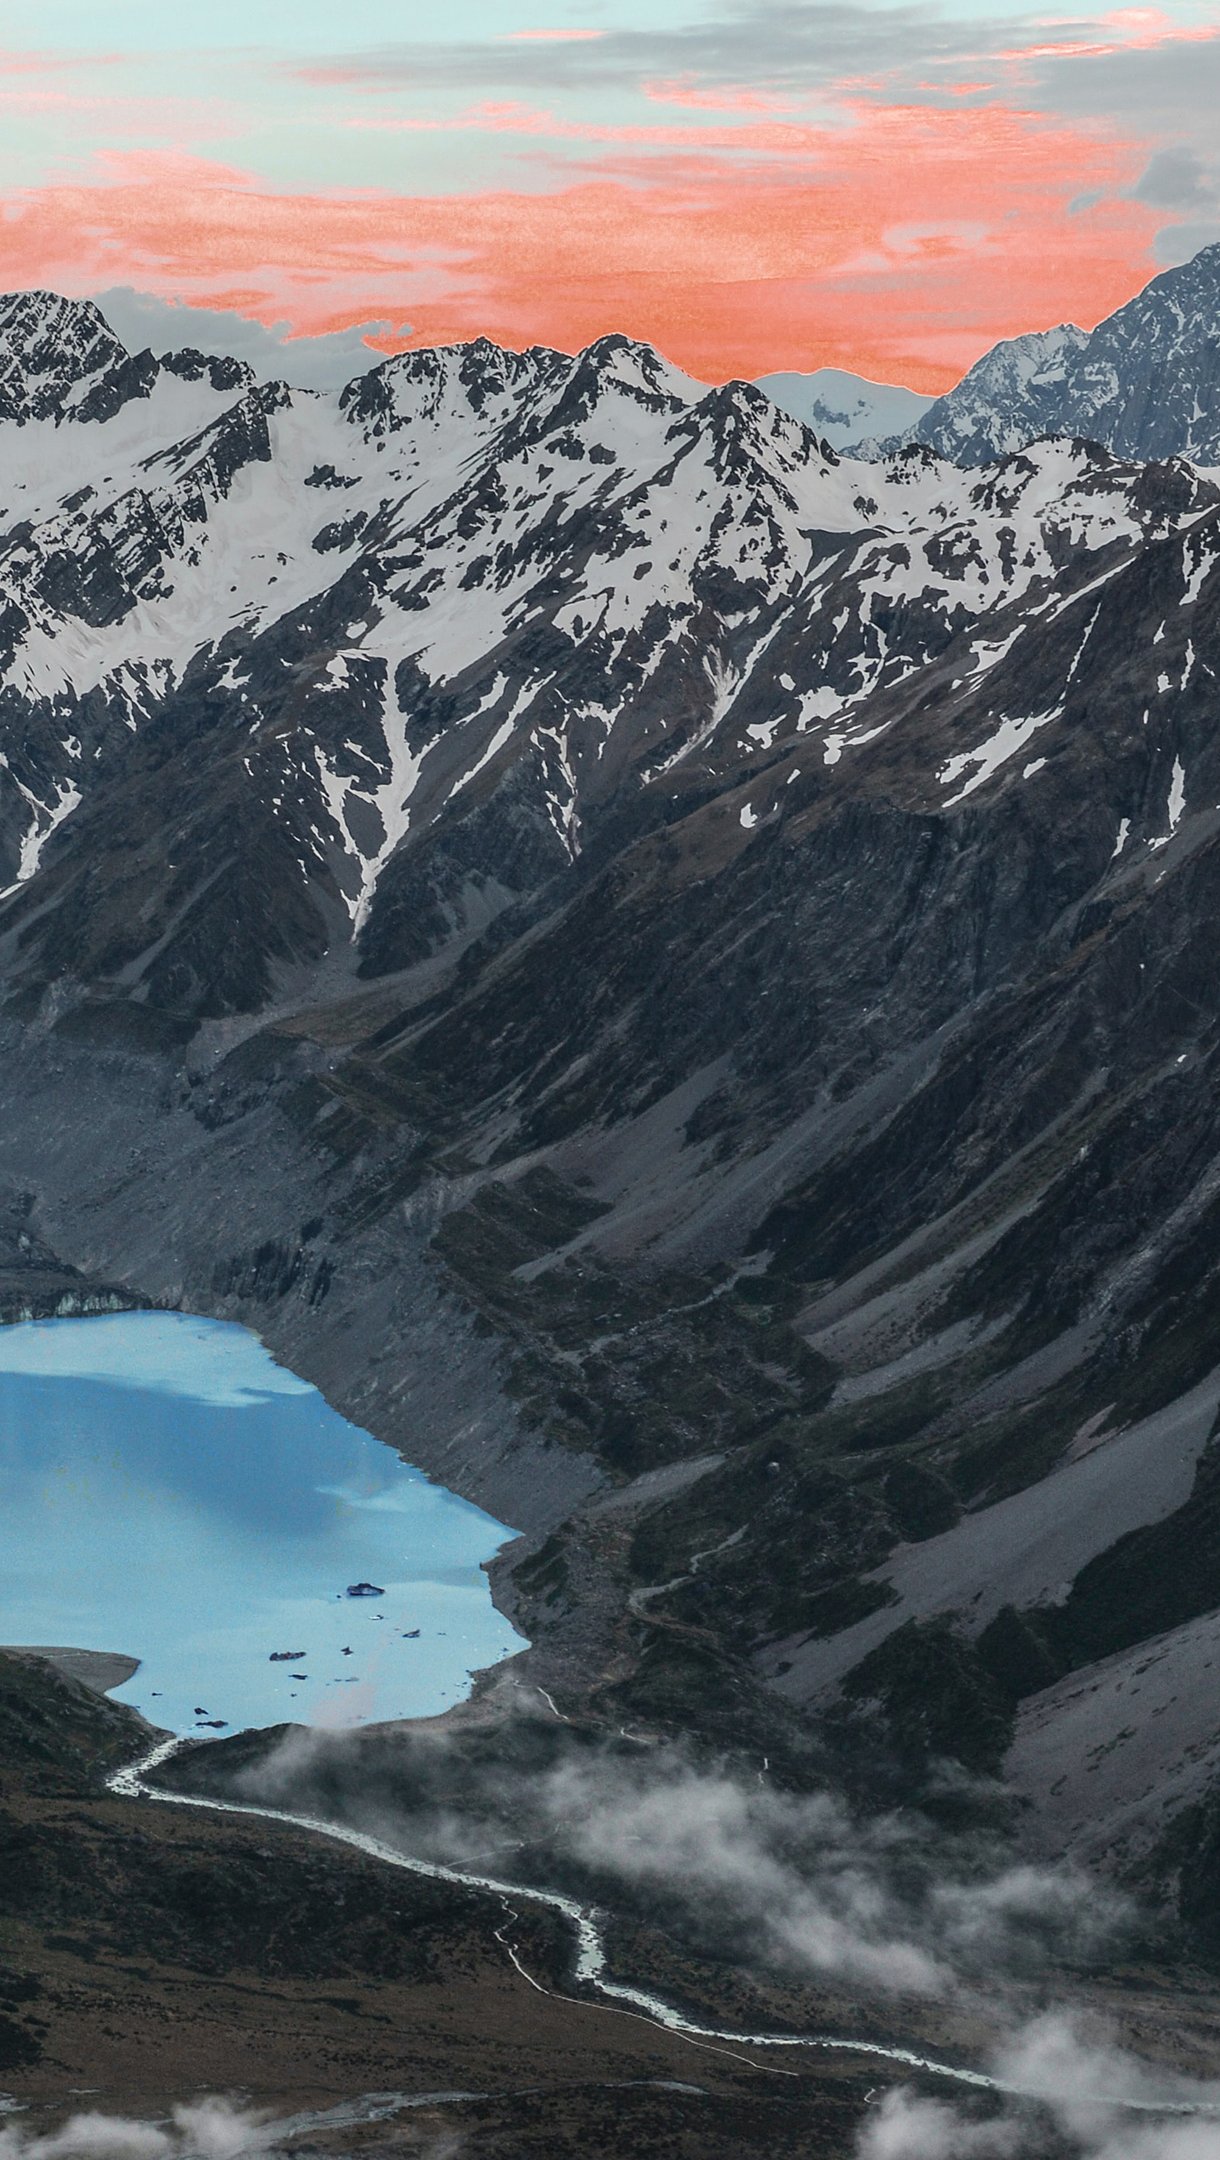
<point x="1131" y="30"/>
<point x="901" y="243"/>
<point x="723" y="98"/>
<point x="506" y="117"/>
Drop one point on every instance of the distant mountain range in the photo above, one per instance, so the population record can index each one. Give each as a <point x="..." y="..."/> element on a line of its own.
<point x="624" y="941"/>
<point x="845" y="409"/>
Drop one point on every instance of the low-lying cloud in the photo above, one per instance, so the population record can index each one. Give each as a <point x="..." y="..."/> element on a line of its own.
<point x="794" y="1882"/>
<point x="1069" y="2092"/>
<point x="211" y="2129"/>
<point x="800" y="1879"/>
<point x="198" y="2130"/>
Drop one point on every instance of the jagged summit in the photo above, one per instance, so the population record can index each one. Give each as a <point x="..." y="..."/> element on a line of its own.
<point x="62" y="367"/>
<point x="431" y="635"/>
<point x="1145" y="382"/>
<point x="53" y="351"/>
<point x="1009" y="397"/>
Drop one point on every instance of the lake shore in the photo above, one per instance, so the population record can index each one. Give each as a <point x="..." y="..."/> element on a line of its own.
<point x="99" y="1670"/>
<point x="174" y="1487"/>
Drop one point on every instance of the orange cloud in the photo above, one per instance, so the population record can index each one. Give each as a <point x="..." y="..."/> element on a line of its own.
<point x="505" y="116"/>
<point x="725" y="97"/>
<point x="900" y="244"/>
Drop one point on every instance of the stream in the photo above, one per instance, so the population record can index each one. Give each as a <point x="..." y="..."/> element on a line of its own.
<point x="590" y="1969"/>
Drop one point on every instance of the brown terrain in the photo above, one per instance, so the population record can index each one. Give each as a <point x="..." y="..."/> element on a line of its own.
<point x="149" y="1955"/>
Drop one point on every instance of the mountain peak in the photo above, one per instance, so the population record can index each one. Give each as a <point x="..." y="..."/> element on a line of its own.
<point x="1145" y="382"/>
<point x="25" y="316"/>
<point x="466" y="379"/>
<point x="629" y="365"/>
<point x="51" y="349"/>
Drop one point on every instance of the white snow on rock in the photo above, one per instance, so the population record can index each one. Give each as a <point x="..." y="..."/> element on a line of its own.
<point x="473" y="568"/>
<point x="1010" y="737"/>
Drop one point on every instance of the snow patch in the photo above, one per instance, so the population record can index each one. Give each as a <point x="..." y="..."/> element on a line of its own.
<point x="45" y="819"/>
<point x="1010" y="737"/>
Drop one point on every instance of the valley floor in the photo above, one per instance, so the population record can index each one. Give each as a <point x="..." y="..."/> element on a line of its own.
<point x="153" y="1955"/>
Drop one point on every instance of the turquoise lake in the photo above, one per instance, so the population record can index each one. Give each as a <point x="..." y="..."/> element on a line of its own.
<point x="169" y="1491"/>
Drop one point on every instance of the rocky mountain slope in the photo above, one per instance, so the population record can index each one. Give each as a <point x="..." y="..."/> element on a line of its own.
<point x="673" y="973"/>
<point x="395" y="659"/>
<point x="1145" y="382"/>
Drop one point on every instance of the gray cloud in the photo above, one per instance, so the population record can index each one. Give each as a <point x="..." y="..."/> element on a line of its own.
<point x="789" y="47"/>
<point x="309" y="363"/>
<point x="1169" y="91"/>
<point x="1176" y="179"/>
<point x="778" y="44"/>
<point x="1177" y="243"/>
<point x="1164" y="89"/>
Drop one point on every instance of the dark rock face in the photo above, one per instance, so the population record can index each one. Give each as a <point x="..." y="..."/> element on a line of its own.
<point x="34" y="1283"/>
<point x="938" y="1699"/>
<point x="61" y="362"/>
<point x="52" y="349"/>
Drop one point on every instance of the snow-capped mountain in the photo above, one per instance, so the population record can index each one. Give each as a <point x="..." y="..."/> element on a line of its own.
<point x="534" y="836"/>
<point x="843" y="408"/>
<point x="423" y="642"/>
<point x="71" y="394"/>
<point x="1145" y="382"/>
<point x="1009" y="398"/>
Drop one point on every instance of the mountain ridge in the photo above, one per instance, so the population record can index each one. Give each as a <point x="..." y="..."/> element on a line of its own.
<point x="1145" y="382"/>
<point x="523" y="543"/>
<point x="670" y="971"/>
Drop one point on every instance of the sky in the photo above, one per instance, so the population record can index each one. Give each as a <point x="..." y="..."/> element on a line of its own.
<point x="752" y="185"/>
